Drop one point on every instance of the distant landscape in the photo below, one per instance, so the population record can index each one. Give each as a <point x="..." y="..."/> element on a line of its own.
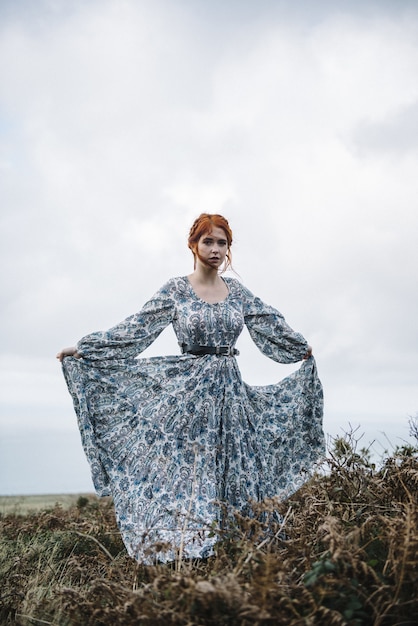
<point x="344" y="552"/>
<point x="25" y="504"/>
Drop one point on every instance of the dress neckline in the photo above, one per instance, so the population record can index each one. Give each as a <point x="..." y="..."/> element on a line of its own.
<point x="186" y="278"/>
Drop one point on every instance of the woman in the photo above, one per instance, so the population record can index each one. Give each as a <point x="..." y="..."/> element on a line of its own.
<point x="170" y="438"/>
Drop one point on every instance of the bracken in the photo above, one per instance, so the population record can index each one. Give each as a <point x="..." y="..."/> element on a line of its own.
<point x="342" y="551"/>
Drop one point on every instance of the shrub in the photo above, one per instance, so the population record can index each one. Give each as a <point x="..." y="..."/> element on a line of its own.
<point x="342" y="551"/>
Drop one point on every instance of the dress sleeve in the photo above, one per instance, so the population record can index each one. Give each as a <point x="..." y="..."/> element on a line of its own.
<point x="270" y="332"/>
<point x="130" y="337"/>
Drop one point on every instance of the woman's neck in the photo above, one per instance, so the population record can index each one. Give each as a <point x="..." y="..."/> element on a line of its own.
<point x="204" y="275"/>
<point x="208" y="285"/>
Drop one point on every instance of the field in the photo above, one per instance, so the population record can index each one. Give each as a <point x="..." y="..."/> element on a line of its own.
<point x="20" y="505"/>
<point x="345" y="552"/>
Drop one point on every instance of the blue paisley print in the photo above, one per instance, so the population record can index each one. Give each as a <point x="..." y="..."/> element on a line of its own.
<point x="172" y="437"/>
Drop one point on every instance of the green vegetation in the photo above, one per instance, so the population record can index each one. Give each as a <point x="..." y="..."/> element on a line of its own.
<point x="345" y="552"/>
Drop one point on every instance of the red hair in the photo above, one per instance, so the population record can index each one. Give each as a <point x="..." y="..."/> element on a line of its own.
<point x="203" y="225"/>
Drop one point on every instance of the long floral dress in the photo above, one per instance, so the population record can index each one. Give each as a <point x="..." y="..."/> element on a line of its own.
<point x="172" y="437"/>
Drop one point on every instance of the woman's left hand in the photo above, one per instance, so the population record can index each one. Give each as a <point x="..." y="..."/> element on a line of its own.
<point x="308" y="354"/>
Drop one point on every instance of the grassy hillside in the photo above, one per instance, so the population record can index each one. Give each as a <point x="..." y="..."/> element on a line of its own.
<point x="345" y="553"/>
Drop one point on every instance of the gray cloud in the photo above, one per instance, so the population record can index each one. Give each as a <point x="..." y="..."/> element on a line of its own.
<point x="396" y="135"/>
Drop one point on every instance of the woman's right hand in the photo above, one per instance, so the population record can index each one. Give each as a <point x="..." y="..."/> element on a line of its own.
<point x="72" y="351"/>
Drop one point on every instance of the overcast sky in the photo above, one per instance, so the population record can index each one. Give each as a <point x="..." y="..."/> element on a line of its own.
<point x="122" y="120"/>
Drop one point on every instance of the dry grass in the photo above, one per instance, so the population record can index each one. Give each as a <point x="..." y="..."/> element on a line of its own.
<point x="345" y="552"/>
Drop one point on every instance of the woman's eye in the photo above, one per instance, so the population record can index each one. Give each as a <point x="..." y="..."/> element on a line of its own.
<point x="209" y="242"/>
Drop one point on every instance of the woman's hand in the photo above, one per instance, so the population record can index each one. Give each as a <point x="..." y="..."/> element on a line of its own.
<point x="308" y="354"/>
<point x="68" y="352"/>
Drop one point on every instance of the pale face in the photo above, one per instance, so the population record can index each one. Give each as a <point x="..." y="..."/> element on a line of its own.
<point x="212" y="247"/>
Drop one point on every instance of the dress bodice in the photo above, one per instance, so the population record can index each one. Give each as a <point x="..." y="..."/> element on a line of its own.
<point x="206" y="324"/>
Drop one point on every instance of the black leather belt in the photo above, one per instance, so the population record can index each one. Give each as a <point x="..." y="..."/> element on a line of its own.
<point x="194" y="348"/>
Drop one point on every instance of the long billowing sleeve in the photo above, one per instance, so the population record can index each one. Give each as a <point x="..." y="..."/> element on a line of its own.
<point x="270" y="332"/>
<point x="129" y="338"/>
